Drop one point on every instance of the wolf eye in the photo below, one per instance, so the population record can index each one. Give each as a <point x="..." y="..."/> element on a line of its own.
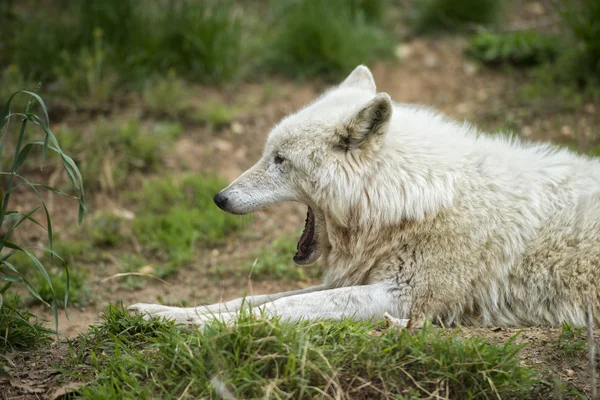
<point x="278" y="159"/>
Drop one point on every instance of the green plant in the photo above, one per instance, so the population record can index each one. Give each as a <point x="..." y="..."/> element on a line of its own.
<point x="203" y="38"/>
<point x="275" y="262"/>
<point x="87" y="77"/>
<point x="214" y="114"/>
<point x="72" y="255"/>
<point x="78" y="288"/>
<point x="258" y="358"/>
<point x="35" y="47"/>
<point x="14" y="219"/>
<point x="454" y="15"/>
<point x="108" y="229"/>
<point x="88" y="45"/>
<point x="177" y="215"/>
<point x="518" y="48"/>
<point x="127" y="147"/>
<point x="12" y="80"/>
<point x="582" y="18"/>
<point x="312" y="37"/>
<point x="20" y="329"/>
<point x="571" y="340"/>
<point x="167" y="95"/>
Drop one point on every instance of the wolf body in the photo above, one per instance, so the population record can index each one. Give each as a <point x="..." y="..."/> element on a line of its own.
<point x="421" y="217"/>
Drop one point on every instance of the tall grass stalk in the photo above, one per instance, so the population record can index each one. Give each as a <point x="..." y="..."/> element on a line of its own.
<point x="12" y="219"/>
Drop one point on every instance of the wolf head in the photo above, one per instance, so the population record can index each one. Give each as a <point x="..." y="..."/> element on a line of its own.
<point x="312" y="155"/>
<point x="329" y="156"/>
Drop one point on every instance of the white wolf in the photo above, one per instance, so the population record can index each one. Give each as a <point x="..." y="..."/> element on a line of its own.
<point x="421" y="217"/>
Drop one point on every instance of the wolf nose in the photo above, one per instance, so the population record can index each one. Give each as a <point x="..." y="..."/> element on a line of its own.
<point x="220" y="200"/>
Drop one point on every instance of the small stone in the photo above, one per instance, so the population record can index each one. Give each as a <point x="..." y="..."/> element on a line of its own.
<point x="526" y="131"/>
<point x="215" y="253"/>
<point x="570" y="373"/>
<point x="240" y="154"/>
<point x="463" y="108"/>
<point x="125" y="214"/>
<point x="147" y="270"/>
<point x="431" y="61"/>
<point x="536" y="8"/>
<point x="237" y="128"/>
<point x="403" y="51"/>
<point x="470" y="68"/>
<point x="222" y="145"/>
<point x="589" y="108"/>
<point x="566" y="130"/>
<point x="481" y="94"/>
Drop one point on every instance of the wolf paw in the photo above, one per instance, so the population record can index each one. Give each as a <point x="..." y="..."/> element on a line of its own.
<point x="186" y="316"/>
<point x="177" y="314"/>
<point x="397" y="322"/>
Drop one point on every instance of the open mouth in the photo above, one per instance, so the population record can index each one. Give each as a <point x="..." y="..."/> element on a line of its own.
<point x="307" y="244"/>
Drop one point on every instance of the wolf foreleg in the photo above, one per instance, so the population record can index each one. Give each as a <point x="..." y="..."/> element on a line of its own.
<point x="365" y="303"/>
<point x="193" y="315"/>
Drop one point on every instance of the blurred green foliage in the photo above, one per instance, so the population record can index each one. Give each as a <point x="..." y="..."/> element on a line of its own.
<point x="581" y="61"/>
<point x="90" y="47"/>
<point x="330" y="38"/>
<point x="128" y="38"/>
<point x="454" y="15"/>
<point x="126" y="147"/>
<point x="518" y="48"/>
<point x="175" y="215"/>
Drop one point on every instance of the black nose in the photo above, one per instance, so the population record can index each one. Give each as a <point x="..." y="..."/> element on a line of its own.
<point x="220" y="200"/>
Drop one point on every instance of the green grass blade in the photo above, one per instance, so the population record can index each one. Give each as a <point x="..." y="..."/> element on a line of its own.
<point x="68" y="276"/>
<point x="23" y="156"/>
<point x="10" y="279"/>
<point x="52" y="252"/>
<point x="24" y="281"/>
<point x="82" y="210"/>
<point x="33" y="258"/>
<point x="4" y="131"/>
<point x="25" y="217"/>
<point x="7" y="256"/>
<point x="68" y="163"/>
<point x="4" y="114"/>
<point x="5" y="288"/>
<point x="18" y="146"/>
<point x="40" y="102"/>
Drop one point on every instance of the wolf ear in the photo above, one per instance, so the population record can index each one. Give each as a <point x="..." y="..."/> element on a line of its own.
<point x="362" y="78"/>
<point x="370" y="122"/>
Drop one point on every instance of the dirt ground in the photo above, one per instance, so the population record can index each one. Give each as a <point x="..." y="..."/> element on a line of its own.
<point x="432" y="72"/>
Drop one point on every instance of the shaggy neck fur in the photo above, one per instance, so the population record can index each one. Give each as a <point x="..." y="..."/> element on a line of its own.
<point x="405" y="175"/>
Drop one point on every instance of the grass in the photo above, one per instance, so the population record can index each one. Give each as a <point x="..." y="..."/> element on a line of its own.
<point x="128" y="357"/>
<point x="20" y="329"/>
<point x="128" y="147"/>
<point x="582" y="60"/>
<point x="73" y="254"/>
<point x="166" y="95"/>
<point x="518" y="48"/>
<point x="86" y="45"/>
<point x="12" y="219"/>
<point x="86" y="76"/>
<point x="327" y="38"/>
<point x="11" y="81"/>
<point x="571" y="340"/>
<point x="454" y="15"/>
<point x="214" y="114"/>
<point x="275" y="262"/>
<point x="94" y="51"/>
<point x="176" y="215"/>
